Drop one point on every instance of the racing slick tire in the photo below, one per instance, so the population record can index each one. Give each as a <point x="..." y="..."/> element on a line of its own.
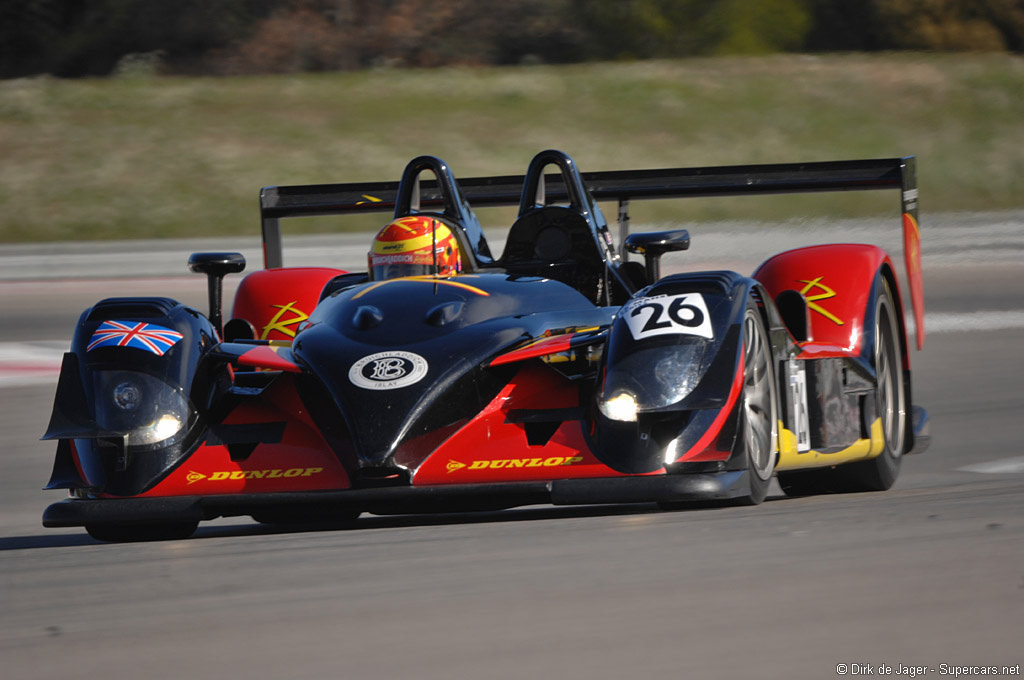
<point x="878" y="473"/>
<point x="757" y="433"/>
<point x="135" y="533"/>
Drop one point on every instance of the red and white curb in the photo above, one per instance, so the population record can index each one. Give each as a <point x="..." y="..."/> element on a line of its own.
<point x="31" y="363"/>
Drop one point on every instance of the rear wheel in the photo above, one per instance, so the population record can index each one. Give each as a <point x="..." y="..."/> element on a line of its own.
<point x="132" y="533"/>
<point x="878" y="473"/>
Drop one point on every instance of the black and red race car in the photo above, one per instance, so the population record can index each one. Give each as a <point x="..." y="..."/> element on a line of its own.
<point x="558" y="372"/>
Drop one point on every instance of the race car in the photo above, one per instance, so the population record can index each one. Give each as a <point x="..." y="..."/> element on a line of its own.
<point x="445" y="378"/>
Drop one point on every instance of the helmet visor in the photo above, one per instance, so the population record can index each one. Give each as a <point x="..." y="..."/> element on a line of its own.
<point x="395" y="270"/>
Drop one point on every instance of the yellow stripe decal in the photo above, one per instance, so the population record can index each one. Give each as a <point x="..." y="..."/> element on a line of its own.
<point x="862" y="449"/>
<point x="423" y="279"/>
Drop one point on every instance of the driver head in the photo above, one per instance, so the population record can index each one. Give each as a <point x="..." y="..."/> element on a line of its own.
<point x="413" y="246"/>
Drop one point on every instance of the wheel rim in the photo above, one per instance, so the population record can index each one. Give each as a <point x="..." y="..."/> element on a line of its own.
<point x="758" y="408"/>
<point x="891" y="409"/>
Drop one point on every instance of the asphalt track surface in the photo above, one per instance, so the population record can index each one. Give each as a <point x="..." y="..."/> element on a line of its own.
<point x="930" y="573"/>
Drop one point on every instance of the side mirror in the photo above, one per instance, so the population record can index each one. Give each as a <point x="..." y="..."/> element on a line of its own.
<point x="652" y="245"/>
<point x="216" y="266"/>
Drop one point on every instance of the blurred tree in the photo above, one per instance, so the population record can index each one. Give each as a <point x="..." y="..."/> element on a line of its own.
<point x="938" y="25"/>
<point x="843" y="26"/>
<point x="28" y="30"/>
<point x="761" y="27"/>
<point x="635" y="29"/>
<point x="674" y="28"/>
<point x="1008" y="18"/>
<point x="92" y="37"/>
<point x="350" y="34"/>
<point x="981" y="25"/>
<point x="296" y="36"/>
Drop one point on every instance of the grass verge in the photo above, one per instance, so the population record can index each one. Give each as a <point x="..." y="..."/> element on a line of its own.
<point x="171" y="157"/>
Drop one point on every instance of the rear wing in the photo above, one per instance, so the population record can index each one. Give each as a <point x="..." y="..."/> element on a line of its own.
<point x="622" y="186"/>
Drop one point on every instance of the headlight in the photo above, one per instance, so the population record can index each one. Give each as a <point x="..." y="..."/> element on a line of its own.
<point x="622" y="407"/>
<point x="652" y="378"/>
<point x="146" y="409"/>
<point x="164" y="427"/>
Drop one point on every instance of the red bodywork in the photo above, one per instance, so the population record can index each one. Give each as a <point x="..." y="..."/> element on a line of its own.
<point x="277" y="301"/>
<point x="491" y="449"/>
<point x="836" y="281"/>
<point x="486" y="449"/>
<point x="301" y="461"/>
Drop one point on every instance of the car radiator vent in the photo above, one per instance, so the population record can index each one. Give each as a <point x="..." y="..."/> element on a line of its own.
<point x="133" y="307"/>
<point x="720" y="283"/>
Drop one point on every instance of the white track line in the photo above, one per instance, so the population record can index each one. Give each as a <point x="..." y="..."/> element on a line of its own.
<point x="973" y="321"/>
<point x="997" y="467"/>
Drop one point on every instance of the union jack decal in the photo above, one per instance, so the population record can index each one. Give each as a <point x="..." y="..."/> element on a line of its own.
<point x="147" y="336"/>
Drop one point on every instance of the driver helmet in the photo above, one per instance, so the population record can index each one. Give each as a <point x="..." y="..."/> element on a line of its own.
<point x="414" y="246"/>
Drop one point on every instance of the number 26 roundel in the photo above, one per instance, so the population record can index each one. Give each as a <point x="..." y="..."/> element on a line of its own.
<point x="685" y="314"/>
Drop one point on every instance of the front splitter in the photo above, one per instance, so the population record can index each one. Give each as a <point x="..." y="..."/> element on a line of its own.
<point x="400" y="500"/>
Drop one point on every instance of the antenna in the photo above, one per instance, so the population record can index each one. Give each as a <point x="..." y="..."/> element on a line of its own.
<point x="433" y="250"/>
<point x="433" y="241"/>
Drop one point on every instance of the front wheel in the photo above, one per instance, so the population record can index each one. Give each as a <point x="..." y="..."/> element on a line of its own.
<point x="757" y="438"/>
<point x="757" y="425"/>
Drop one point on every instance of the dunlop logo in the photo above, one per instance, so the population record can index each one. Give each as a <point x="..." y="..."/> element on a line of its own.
<point x="254" y="474"/>
<point x="553" y="461"/>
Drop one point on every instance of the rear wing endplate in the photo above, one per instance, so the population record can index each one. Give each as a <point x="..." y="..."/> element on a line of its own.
<point x="623" y="186"/>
